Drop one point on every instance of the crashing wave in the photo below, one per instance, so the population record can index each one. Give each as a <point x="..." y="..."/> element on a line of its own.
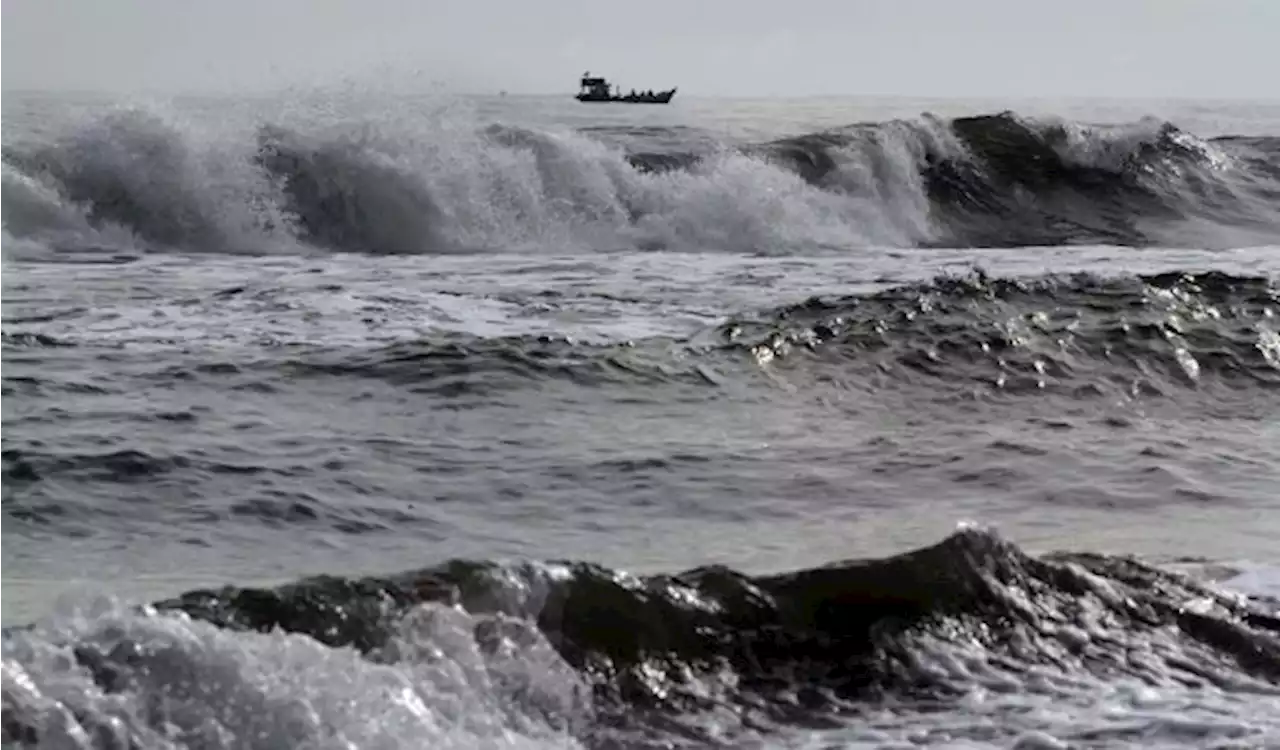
<point x="994" y="180"/>
<point x="973" y="612"/>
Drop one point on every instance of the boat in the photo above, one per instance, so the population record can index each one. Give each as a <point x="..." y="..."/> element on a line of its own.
<point x="594" y="89"/>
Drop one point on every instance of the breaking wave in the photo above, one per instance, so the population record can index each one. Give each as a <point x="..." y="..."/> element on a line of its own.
<point x="995" y="180"/>
<point x="969" y="639"/>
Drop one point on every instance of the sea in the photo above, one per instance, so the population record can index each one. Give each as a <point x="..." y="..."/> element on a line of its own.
<point x="352" y="418"/>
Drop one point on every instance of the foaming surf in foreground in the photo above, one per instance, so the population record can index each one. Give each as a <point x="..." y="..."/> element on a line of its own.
<point x="134" y="177"/>
<point x="968" y="641"/>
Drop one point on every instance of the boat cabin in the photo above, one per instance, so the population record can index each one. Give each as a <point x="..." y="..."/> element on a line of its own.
<point x="594" y="87"/>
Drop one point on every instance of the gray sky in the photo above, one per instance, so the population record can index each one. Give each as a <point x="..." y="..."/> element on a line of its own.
<point x="1158" y="48"/>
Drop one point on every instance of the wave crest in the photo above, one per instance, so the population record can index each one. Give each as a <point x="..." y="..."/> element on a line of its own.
<point x="1082" y="334"/>
<point x="992" y="180"/>
<point x="928" y="625"/>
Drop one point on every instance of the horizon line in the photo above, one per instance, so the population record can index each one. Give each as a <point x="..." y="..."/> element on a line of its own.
<point x="443" y="90"/>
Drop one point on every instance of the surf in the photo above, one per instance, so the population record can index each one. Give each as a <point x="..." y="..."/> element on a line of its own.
<point x="998" y="180"/>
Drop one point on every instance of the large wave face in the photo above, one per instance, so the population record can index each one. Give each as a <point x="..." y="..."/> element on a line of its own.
<point x="348" y="196"/>
<point x="996" y="180"/>
<point x="576" y="653"/>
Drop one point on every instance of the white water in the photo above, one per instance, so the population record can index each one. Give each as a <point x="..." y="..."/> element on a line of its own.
<point x="220" y="689"/>
<point x="428" y="176"/>
<point x="445" y="186"/>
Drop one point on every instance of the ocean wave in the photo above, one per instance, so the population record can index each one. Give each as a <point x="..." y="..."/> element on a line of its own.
<point x="597" y="656"/>
<point x="132" y="175"/>
<point x="1141" y="336"/>
<point x="995" y="180"/>
<point x="23" y="339"/>
<point x="476" y="366"/>
<point x="346" y="195"/>
<point x="1079" y="336"/>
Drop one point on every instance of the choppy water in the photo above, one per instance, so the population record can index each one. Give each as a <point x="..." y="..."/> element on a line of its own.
<point x="524" y="423"/>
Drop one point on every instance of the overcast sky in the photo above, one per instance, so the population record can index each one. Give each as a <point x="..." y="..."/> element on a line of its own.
<point x="1159" y="48"/>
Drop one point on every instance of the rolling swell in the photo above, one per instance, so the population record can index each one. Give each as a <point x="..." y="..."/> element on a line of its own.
<point x="1079" y="335"/>
<point x="473" y="366"/>
<point x="1207" y="336"/>
<point x="994" y="180"/>
<point x="970" y="612"/>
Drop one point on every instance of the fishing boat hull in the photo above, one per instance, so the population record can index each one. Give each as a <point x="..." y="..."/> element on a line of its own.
<point x="661" y="97"/>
